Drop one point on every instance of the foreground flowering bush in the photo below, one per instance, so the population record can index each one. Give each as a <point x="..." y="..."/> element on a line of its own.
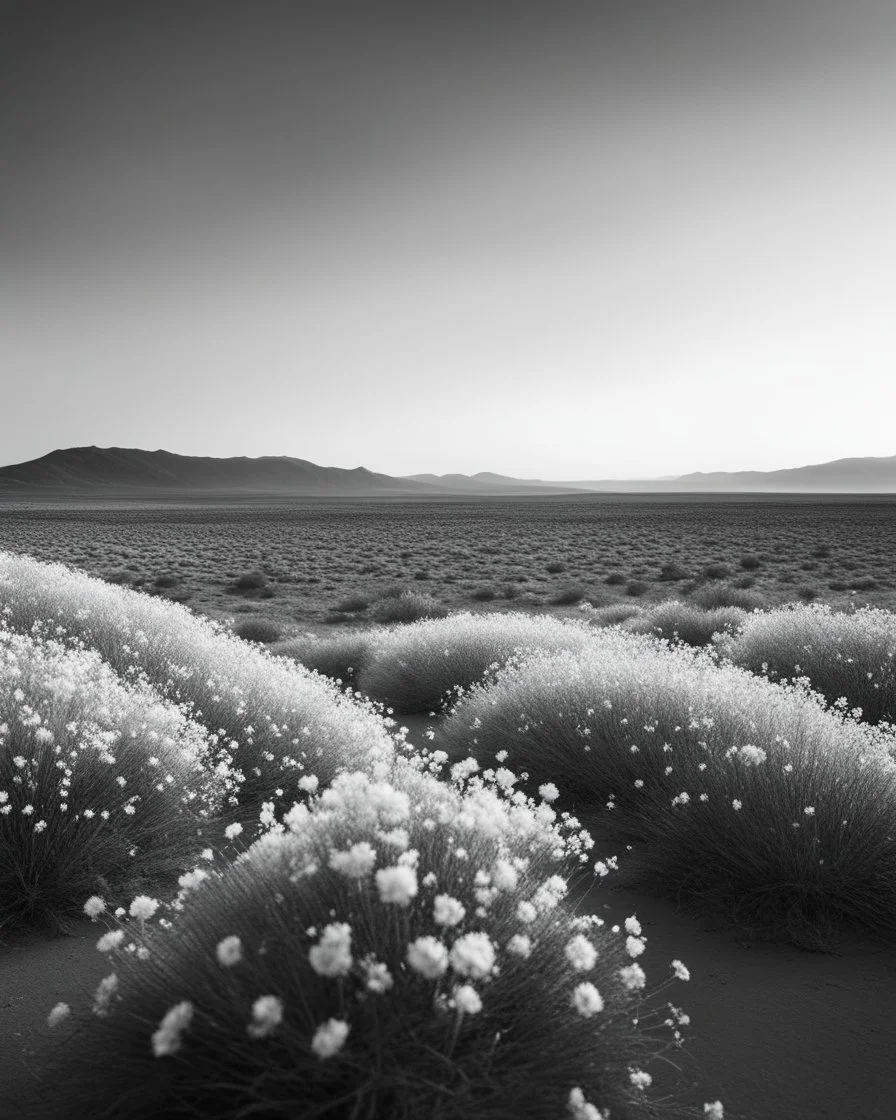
<point x="274" y="720"/>
<point x="683" y="622"/>
<point x="102" y="783"/>
<point x="399" y="949"/>
<point x="745" y="794"/>
<point x="849" y="655"/>
<point x="417" y="668"/>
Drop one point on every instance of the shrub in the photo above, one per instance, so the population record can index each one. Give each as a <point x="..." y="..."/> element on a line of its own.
<point x="863" y="583"/>
<point x="849" y="655"/>
<point x="353" y="605"/>
<point x="257" y="630"/>
<point x="568" y="596"/>
<point x="614" y="579"/>
<point x="715" y="595"/>
<point x="744" y="796"/>
<point x="750" y="563"/>
<point x="717" y="571"/>
<point x="250" y="581"/>
<point x="421" y="667"/>
<point x="166" y="581"/>
<point x="807" y="592"/>
<point x="613" y="614"/>
<point x="636" y="588"/>
<point x="409" y="606"/>
<point x="683" y="622"/>
<point x="400" y="951"/>
<point x="555" y="567"/>
<point x="274" y="718"/>
<point x="483" y="594"/>
<point x="674" y="571"/>
<point x="99" y="781"/>
<point x="339" y="658"/>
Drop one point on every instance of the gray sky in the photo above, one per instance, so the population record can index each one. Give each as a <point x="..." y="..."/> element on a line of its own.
<point x="558" y="240"/>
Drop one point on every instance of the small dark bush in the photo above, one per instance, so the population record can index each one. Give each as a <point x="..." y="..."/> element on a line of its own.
<point x="637" y="587"/>
<point x="615" y="578"/>
<point x="717" y="571"/>
<point x="409" y="607"/>
<point x="250" y="581"/>
<point x="166" y="581"/>
<point x="257" y="630"/>
<point x="807" y="594"/>
<point x="744" y="582"/>
<point x="837" y="585"/>
<point x="555" y="567"/>
<point x="483" y="594"/>
<point x="422" y="574"/>
<point x="821" y="553"/>
<point x="568" y="596"/>
<point x="863" y="583"/>
<point x="750" y="563"/>
<point x="674" y="572"/>
<point x="721" y="595"/>
<point x="352" y="604"/>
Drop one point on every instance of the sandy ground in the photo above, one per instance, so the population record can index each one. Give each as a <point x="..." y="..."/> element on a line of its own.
<point x="776" y="1033"/>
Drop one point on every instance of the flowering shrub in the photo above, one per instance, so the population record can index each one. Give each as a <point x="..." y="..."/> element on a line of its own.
<point x="683" y="622"/>
<point x="99" y="780"/>
<point x="340" y="657"/>
<point x="400" y="949"/>
<point x="415" y="668"/>
<point x="745" y="794"/>
<point x="848" y="655"/>
<point x="274" y="720"/>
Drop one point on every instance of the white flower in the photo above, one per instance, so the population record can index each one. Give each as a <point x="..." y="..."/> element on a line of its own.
<point x="548" y="792"/>
<point x="633" y="926"/>
<point x="520" y="945"/>
<point x="447" y="911"/>
<point x="581" y="1109"/>
<point x="378" y="977"/>
<point x="94" y="906"/>
<point x="166" y="1039"/>
<point x="505" y="876"/>
<point x="102" y="997"/>
<point x="587" y="1000"/>
<point x="634" y="946"/>
<point x="714" y="1110"/>
<point x="580" y="953"/>
<point x="640" y="1079"/>
<point x="329" y="1038"/>
<point x="59" y="1012"/>
<point x="681" y="971"/>
<point x="428" y="956"/>
<point x="526" y="912"/>
<point x="473" y="955"/>
<point x="355" y="863"/>
<point x="110" y="940"/>
<point x="229" y="951"/>
<point x="309" y="783"/>
<point x="809" y="811"/>
<point x="267" y="1015"/>
<point x="633" y="977"/>
<point x="333" y="955"/>
<point x="752" y="756"/>
<point x="397" y="884"/>
<point x="143" y="907"/>
<point x="467" y="999"/>
<point x="737" y="805"/>
<point x="233" y="830"/>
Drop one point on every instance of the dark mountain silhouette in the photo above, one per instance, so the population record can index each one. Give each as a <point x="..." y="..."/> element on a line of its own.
<point x="120" y="470"/>
<point x="123" y="472"/>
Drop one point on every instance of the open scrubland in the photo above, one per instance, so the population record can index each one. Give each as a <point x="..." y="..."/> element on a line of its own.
<point x="300" y="913"/>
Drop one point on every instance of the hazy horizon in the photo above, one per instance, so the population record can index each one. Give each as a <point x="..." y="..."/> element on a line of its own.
<point x="576" y="241"/>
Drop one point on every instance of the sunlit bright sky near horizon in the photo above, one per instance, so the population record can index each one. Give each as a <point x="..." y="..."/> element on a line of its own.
<point x="566" y="241"/>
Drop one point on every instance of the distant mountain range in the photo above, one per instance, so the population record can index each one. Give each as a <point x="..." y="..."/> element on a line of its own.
<point x="123" y="472"/>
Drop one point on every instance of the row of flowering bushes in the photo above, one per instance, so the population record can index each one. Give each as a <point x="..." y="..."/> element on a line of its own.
<point x="273" y="721"/>
<point x="398" y="947"/>
<point x="750" y="796"/>
<point x="99" y="779"/>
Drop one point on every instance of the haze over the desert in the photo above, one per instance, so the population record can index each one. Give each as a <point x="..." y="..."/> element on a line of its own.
<point x="592" y="242"/>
